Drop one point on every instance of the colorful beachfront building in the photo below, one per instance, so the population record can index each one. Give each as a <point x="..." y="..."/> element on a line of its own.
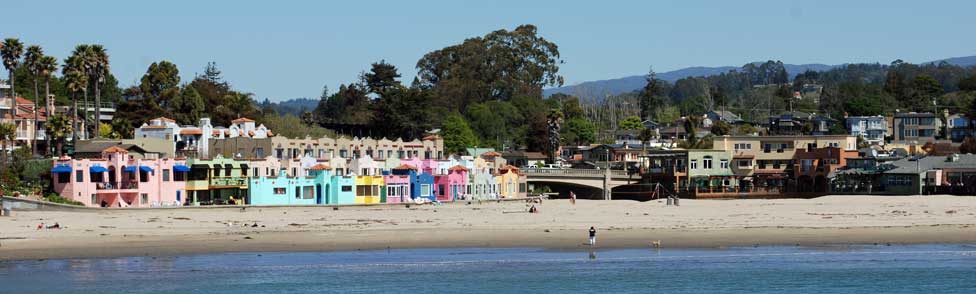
<point x="482" y="185"/>
<point x="369" y="190"/>
<point x="118" y="180"/>
<point x="286" y="190"/>
<point x="397" y="187"/>
<point x="217" y="181"/>
<point x="421" y="184"/>
<point x="511" y="184"/>
<point x="453" y="185"/>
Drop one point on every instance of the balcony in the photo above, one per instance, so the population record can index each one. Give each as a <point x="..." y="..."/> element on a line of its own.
<point x="115" y="186"/>
<point x="228" y="182"/>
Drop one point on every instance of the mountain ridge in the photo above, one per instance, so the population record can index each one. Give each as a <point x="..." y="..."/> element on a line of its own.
<point x="595" y="90"/>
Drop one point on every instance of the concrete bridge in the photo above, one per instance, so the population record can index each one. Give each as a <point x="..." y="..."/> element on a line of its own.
<point x="599" y="179"/>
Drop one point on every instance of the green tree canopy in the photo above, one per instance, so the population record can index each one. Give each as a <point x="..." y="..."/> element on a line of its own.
<point x="501" y="65"/>
<point x="631" y="123"/>
<point x="457" y="134"/>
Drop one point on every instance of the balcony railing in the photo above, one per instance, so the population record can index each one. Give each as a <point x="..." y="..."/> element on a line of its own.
<point x="229" y="181"/>
<point x="116" y="185"/>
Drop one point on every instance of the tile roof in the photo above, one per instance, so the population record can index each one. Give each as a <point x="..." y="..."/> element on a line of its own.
<point x="166" y="119"/>
<point x="242" y="120"/>
<point x="458" y="168"/>
<point x="115" y="149"/>
<point x="191" y="132"/>
<point x="405" y="166"/>
<point x="320" y="166"/>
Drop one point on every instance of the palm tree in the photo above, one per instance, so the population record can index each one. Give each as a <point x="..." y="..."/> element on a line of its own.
<point x="75" y="81"/>
<point x="32" y="60"/>
<point x="8" y="132"/>
<point x="97" y="66"/>
<point x="58" y="127"/>
<point x="48" y="66"/>
<point x="77" y="66"/>
<point x="11" y="51"/>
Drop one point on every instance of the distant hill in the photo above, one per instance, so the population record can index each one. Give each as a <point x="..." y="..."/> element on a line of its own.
<point x="597" y="90"/>
<point x="293" y="106"/>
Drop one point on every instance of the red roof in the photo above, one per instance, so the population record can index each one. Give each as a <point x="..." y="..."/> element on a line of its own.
<point x="270" y="134"/>
<point x="508" y="168"/>
<point x="405" y="166"/>
<point x="743" y="156"/>
<point x="114" y="149"/>
<point x="458" y="168"/>
<point x="491" y="153"/>
<point x="320" y="166"/>
<point x="431" y="137"/>
<point x="165" y="119"/>
<point x="242" y="120"/>
<point x="21" y="100"/>
<point x="191" y="132"/>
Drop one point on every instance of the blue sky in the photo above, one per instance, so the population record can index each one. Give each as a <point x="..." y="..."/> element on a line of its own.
<point x="289" y="49"/>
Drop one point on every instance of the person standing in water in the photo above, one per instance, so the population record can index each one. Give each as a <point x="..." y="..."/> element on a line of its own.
<point x="592" y="236"/>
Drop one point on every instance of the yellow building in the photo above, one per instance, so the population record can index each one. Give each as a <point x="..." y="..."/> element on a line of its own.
<point x="511" y="184"/>
<point x="369" y="189"/>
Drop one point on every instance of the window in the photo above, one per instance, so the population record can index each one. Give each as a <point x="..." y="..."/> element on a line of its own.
<point x="64" y="177"/>
<point x="279" y="153"/>
<point x="179" y="176"/>
<point x="347" y="188"/>
<point x="724" y="163"/>
<point x="806" y="165"/>
<point x="143" y="198"/>
<point x="425" y="190"/>
<point x="298" y="193"/>
<point x="279" y="191"/>
<point x="294" y="171"/>
<point x="254" y="172"/>
<point x="522" y="188"/>
<point x="767" y="147"/>
<point x="308" y="192"/>
<point x="440" y="190"/>
<point x="694" y="163"/>
<point x="165" y="175"/>
<point x="744" y="163"/>
<point x="227" y="169"/>
<point x="762" y="164"/>
<point x="259" y="152"/>
<point x="343" y="153"/>
<point x="707" y="162"/>
<point x="216" y="170"/>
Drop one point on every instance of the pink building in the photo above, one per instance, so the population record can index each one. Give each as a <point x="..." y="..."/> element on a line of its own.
<point x="453" y="185"/>
<point x="397" y="188"/>
<point x="118" y="180"/>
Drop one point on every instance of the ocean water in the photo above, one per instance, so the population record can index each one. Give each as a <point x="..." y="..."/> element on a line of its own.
<point x="833" y="269"/>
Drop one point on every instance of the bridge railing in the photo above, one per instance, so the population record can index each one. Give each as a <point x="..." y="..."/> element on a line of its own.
<point x="573" y="172"/>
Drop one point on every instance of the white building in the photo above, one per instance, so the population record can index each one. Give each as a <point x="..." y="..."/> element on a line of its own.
<point x="872" y="129"/>
<point x="194" y="140"/>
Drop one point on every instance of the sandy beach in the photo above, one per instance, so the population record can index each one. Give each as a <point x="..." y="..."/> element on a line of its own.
<point x="559" y="225"/>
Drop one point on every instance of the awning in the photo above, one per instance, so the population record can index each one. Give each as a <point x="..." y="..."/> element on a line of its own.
<point x="97" y="169"/>
<point x="61" y="169"/>
<point x="181" y="168"/>
<point x="141" y="168"/>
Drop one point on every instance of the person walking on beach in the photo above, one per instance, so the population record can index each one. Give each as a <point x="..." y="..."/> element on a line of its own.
<point x="592" y="236"/>
<point x="572" y="198"/>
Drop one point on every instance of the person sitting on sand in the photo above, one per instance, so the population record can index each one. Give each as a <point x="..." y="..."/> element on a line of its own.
<point x="533" y="209"/>
<point x="40" y="226"/>
<point x="54" y="226"/>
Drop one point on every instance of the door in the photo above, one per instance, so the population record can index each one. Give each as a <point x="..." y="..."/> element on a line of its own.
<point x="318" y="193"/>
<point x="178" y="198"/>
